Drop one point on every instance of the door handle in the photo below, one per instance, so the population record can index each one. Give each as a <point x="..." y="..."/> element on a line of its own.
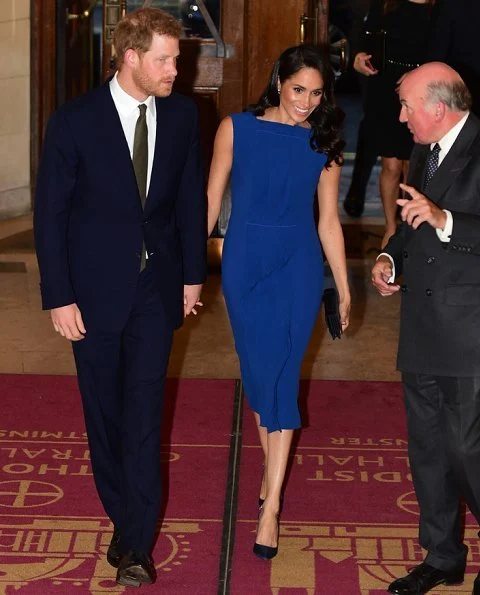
<point x="71" y="16"/>
<point x="303" y="21"/>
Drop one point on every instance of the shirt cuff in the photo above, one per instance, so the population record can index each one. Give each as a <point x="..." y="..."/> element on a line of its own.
<point x="392" y="278"/>
<point x="445" y="233"/>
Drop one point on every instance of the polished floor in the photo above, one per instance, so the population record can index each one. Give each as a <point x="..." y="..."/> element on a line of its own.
<point x="204" y="347"/>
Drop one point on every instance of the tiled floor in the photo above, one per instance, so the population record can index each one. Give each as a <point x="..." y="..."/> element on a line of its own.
<point x="204" y="346"/>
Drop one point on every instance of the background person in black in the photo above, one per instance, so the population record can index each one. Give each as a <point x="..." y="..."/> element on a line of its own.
<point x="406" y="23"/>
<point x="454" y="40"/>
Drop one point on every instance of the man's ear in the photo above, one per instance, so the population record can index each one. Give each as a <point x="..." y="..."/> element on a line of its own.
<point x="130" y="57"/>
<point x="440" y="110"/>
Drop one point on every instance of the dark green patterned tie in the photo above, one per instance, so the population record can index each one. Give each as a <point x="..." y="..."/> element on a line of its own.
<point x="140" y="162"/>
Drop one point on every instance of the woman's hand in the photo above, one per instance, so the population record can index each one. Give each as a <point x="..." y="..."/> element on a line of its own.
<point x="363" y="65"/>
<point x="344" y="308"/>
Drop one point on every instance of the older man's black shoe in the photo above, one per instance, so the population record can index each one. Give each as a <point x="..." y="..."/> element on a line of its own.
<point x="113" y="555"/>
<point x="423" y="578"/>
<point x="476" y="585"/>
<point x="136" y="569"/>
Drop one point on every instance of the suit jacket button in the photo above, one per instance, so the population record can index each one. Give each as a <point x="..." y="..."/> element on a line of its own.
<point x="403" y="288"/>
<point x="405" y="254"/>
<point x="429" y="292"/>
<point x="430" y="259"/>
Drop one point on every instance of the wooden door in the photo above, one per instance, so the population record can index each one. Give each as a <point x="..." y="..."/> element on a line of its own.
<point x="64" y="60"/>
<point x="210" y="68"/>
<point x="275" y="26"/>
<point x="77" y="65"/>
<point x="68" y="43"/>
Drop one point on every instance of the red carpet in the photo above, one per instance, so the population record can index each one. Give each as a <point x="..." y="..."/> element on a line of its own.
<point x="53" y="532"/>
<point x="349" y="519"/>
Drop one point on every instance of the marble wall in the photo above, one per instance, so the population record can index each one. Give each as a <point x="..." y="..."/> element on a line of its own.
<point x="14" y="108"/>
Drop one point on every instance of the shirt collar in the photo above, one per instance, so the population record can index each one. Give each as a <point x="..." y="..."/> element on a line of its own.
<point x="447" y="141"/>
<point x="125" y="103"/>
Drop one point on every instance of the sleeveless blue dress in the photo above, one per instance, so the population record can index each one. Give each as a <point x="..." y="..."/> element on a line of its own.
<point x="272" y="263"/>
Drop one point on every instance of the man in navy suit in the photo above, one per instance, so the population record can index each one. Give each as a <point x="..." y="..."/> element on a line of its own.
<point x="120" y="232"/>
<point x="437" y="249"/>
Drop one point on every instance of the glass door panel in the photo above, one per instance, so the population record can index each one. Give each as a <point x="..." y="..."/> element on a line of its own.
<point x="186" y="11"/>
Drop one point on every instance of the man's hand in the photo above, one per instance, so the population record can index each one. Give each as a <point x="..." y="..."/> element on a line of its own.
<point x="420" y="210"/>
<point x="381" y="273"/>
<point x="67" y="321"/>
<point x="191" y="298"/>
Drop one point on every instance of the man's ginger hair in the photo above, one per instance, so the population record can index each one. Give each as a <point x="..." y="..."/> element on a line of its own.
<point x="137" y="28"/>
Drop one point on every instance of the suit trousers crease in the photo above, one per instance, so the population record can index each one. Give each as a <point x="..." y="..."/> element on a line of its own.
<point x="443" y="419"/>
<point x="121" y="375"/>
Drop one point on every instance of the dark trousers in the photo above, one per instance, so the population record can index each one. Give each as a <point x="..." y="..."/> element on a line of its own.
<point x="366" y="150"/>
<point x="365" y="159"/>
<point x="121" y="376"/>
<point x="443" y="418"/>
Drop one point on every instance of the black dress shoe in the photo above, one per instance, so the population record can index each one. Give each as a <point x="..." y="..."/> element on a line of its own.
<point x="476" y="585"/>
<point x="113" y="555"/>
<point x="136" y="569"/>
<point x="423" y="578"/>
<point x="354" y="205"/>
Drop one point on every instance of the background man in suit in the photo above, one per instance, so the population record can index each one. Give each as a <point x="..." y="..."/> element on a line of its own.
<point x="454" y="40"/>
<point x="437" y="249"/>
<point x="120" y="234"/>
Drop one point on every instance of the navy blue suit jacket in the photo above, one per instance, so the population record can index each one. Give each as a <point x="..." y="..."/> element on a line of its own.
<point x="89" y="223"/>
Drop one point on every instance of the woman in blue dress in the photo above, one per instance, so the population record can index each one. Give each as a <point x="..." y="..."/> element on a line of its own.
<point x="279" y="154"/>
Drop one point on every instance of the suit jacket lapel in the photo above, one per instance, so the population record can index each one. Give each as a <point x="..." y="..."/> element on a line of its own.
<point x="417" y="166"/>
<point x="454" y="163"/>
<point x="163" y="153"/>
<point x="110" y="125"/>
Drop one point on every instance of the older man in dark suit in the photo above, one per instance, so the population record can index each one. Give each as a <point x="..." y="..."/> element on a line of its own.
<point x="437" y="249"/>
<point x="120" y="229"/>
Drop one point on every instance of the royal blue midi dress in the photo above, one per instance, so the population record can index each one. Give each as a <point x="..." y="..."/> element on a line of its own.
<point x="272" y="262"/>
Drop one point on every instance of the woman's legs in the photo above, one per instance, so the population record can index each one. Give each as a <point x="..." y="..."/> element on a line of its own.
<point x="262" y="433"/>
<point x="390" y="176"/>
<point x="277" y="452"/>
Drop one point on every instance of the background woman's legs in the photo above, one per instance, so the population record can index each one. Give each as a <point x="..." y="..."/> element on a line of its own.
<point x="390" y="176"/>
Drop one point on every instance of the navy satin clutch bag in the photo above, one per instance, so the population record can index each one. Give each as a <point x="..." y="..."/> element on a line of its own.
<point x="332" y="313"/>
<point x="331" y="306"/>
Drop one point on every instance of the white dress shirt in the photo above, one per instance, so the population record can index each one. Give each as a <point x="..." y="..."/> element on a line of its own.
<point x="446" y="143"/>
<point x="127" y="108"/>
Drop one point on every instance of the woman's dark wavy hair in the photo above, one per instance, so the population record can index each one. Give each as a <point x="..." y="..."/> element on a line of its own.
<point x="326" y="119"/>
